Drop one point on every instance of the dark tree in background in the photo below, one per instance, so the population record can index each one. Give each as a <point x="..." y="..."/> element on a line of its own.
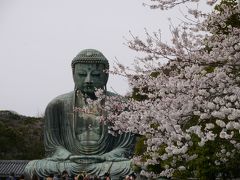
<point x="21" y="137"/>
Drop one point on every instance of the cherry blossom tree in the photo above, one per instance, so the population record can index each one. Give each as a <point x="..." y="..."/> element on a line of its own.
<point x="186" y="111"/>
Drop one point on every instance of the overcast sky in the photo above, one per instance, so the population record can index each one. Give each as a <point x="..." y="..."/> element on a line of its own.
<point x="39" y="39"/>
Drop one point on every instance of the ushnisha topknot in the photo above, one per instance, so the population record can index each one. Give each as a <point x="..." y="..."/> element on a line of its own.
<point x="90" y="56"/>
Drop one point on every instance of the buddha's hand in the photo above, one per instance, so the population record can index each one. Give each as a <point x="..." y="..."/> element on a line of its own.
<point x="115" y="155"/>
<point x="60" y="154"/>
<point x="86" y="159"/>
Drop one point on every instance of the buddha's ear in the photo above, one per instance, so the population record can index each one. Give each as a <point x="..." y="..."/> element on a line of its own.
<point x="106" y="74"/>
<point x="73" y="70"/>
<point x="106" y="80"/>
<point x="74" y="76"/>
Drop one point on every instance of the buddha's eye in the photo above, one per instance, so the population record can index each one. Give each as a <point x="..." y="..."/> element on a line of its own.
<point x="81" y="74"/>
<point x="96" y="74"/>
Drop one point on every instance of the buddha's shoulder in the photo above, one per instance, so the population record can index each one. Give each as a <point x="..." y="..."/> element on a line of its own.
<point x="111" y="94"/>
<point x="62" y="98"/>
<point x="67" y="97"/>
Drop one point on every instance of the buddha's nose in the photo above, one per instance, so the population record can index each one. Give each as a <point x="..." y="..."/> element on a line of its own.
<point x="88" y="79"/>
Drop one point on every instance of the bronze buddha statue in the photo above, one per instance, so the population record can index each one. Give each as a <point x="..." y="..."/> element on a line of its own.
<point x="74" y="140"/>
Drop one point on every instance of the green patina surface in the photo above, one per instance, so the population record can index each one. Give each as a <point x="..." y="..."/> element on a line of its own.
<point x="74" y="140"/>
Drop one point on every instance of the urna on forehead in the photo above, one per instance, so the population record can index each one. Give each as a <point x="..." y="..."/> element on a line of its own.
<point x="90" y="56"/>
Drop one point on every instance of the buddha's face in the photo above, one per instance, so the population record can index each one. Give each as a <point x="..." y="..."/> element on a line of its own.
<point x="89" y="77"/>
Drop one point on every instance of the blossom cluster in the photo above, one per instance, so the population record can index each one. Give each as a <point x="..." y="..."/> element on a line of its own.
<point x="168" y="4"/>
<point x="191" y="100"/>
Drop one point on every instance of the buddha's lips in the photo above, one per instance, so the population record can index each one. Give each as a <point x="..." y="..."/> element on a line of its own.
<point x="88" y="87"/>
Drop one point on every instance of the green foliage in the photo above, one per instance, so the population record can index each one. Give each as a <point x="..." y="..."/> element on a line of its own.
<point x="209" y="69"/>
<point x="135" y="168"/>
<point x="156" y="168"/>
<point x="222" y="28"/>
<point x="20" y="137"/>
<point x="155" y="74"/>
<point x="191" y="122"/>
<point x="136" y="95"/>
<point x="230" y="3"/>
<point x="140" y="146"/>
<point x="204" y="167"/>
<point x="154" y="126"/>
<point x="233" y="21"/>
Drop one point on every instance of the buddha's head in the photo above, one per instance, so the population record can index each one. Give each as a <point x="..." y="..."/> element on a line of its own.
<point x="89" y="69"/>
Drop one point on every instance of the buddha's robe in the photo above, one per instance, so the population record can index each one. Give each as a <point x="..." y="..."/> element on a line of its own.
<point x="76" y="141"/>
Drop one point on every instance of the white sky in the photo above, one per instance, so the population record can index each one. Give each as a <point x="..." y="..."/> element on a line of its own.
<point x="39" y="39"/>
